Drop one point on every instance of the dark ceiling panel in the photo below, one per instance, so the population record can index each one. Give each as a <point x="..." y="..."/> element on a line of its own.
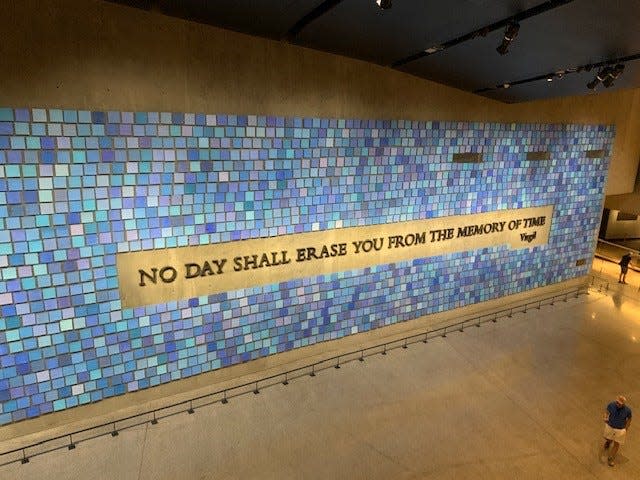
<point x="564" y="38"/>
<point x="271" y="19"/>
<point x="577" y="33"/>
<point x="359" y="29"/>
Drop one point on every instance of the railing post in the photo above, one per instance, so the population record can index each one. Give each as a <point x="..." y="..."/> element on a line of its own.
<point x="444" y="333"/>
<point x="72" y="445"/>
<point x="191" y="410"/>
<point x="426" y="338"/>
<point x="286" y="381"/>
<point x="256" y="391"/>
<point x="224" y="400"/>
<point x="361" y="356"/>
<point x="25" y="459"/>
<point x="114" y="432"/>
<point x="338" y="364"/>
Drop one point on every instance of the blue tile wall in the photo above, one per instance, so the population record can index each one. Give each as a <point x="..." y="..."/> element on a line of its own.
<point x="77" y="187"/>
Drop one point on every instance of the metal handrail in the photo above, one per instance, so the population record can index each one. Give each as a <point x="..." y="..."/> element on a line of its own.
<point x="617" y="245"/>
<point x="113" y="427"/>
<point x="601" y="283"/>
<point x="604" y="256"/>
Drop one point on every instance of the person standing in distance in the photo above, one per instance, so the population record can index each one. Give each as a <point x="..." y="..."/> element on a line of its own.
<point x="624" y="267"/>
<point x="617" y="418"/>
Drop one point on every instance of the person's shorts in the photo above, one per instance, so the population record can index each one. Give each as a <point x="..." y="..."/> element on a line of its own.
<point x="615" y="434"/>
<point x="624" y="269"/>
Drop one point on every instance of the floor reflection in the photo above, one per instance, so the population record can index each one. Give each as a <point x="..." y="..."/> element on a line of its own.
<point x="617" y="298"/>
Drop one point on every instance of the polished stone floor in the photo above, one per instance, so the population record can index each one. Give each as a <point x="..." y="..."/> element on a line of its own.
<point x="519" y="399"/>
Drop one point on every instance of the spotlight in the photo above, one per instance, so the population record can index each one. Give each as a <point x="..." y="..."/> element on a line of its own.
<point x="549" y="78"/>
<point x="600" y="77"/>
<point x="618" y="69"/>
<point x="384" y="4"/>
<point x="614" y="73"/>
<point x="510" y="32"/>
<point x="607" y="82"/>
<point x="434" y="49"/>
<point x="506" y="85"/>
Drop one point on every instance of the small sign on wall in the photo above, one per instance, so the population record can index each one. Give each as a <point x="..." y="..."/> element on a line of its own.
<point x="158" y="276"/>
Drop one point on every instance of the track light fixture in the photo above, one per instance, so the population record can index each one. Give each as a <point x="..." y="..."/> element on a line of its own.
<point x="601" y="76"/>
<point x="607" y="76"/>
<point x="434" y="49"/>
<point x="610" y="78"/>
<point x="614" y="73"/>
<point x="510" y="25"/>
<point x="510" y="33"/>
<point x="608" y="72"/>
<point x="384" y="4"/>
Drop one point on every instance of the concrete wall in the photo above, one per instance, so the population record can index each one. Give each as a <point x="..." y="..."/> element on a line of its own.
<point x="621" y="229"/>
<point x="96" y="55"/>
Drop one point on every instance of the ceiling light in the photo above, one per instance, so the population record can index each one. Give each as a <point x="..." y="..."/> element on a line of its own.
<point x="618" y="69"/>
<point x="434" y="49"/>
<point x="613" y="74"/>
<point x="608" y="72"/>
<point x="384" y="4"/>
<point x="602" y="75"/>
<point x="510" y="32"/>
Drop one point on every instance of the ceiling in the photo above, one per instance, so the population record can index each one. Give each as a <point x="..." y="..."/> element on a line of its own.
<point x="555" y="38"/>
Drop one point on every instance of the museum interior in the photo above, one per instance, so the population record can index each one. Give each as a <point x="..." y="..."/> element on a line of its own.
<point x="318" y="238"/>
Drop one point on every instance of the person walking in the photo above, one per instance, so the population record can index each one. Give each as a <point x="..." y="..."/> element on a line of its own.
<point x="617" y="418"/>
<point x="624" y="267"/>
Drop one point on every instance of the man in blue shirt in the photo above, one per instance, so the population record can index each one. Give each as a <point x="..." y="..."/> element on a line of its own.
<point x="617" y="418"/>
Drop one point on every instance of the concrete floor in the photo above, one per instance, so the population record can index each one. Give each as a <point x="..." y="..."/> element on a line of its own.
<point x="519" y="399"/>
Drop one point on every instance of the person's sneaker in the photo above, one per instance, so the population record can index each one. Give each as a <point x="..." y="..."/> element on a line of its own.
<point x="610" y="462"/>
<point x="607" y="444"/>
